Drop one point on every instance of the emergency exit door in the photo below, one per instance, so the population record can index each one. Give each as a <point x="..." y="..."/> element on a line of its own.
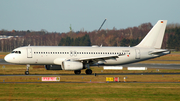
<point x="138" y="54"/>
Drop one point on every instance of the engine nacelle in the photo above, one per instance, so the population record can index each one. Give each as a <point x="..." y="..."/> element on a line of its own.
<point x="72" y="65"/>
<point x="53" y="67"/>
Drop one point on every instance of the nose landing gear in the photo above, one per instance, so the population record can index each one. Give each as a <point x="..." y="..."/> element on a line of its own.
<point x="27" y="70"/>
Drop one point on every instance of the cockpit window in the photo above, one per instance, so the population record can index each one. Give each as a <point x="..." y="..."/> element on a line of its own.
<point x="17" y="52"/>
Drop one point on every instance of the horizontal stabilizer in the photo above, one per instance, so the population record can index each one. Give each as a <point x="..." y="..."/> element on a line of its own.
<point x="159" y="52"/>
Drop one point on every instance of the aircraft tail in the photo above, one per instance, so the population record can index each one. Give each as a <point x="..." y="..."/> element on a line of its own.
<point x="155" y="36"/>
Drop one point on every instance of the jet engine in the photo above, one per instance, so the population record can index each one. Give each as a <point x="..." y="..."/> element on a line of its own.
<point x="53" y="67"/>
<point x="72" y="65"/>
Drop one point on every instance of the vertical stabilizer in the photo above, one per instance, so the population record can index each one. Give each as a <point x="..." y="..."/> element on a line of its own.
<point x="155" y="36"/>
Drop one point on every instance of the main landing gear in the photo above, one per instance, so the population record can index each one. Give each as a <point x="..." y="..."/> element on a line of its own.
<point x="27" y="70"/>
<point x="77" y="72"/>
<point x="88" y="72"/>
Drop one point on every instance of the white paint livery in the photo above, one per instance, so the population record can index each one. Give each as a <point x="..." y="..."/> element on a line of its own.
<point x="81" y="57"/>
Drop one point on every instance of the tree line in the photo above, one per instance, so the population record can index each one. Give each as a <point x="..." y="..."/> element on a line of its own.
<point x="174" y="38"/>
<point x="116" y="37"/>
<point x="80" y="41"/>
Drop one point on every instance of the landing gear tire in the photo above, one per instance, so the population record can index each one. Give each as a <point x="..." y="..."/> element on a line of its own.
<point x="27" y="72"/>
<point x="88" y="71"/>
<point x="77" y="72"/>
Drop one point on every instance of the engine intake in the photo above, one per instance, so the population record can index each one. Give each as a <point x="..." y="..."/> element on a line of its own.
<point x="72" y="65"/>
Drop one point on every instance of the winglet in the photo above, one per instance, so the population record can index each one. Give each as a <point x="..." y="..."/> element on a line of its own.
<point x="155" y="36"/>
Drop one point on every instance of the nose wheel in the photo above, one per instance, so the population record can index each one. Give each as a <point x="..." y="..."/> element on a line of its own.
<point x="27" y="70"/>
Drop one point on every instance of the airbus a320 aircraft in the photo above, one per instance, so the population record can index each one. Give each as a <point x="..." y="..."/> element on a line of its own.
<point x="77" y="58"/>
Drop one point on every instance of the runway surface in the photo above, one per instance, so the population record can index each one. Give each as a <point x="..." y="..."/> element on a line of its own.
<point x="2" y="61"/>
<point x="94" y="74"/>
<point x="160" y="66"/>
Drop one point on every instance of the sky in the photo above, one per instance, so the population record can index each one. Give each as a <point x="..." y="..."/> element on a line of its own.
<point x="58" y="15"/>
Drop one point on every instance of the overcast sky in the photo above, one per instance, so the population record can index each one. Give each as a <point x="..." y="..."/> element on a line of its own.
<point x="58" y="15"/>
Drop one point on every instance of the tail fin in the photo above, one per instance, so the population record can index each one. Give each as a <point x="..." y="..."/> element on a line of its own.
<point x="155" y="36"/>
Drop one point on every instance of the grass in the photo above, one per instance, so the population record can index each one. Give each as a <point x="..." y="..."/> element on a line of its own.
<point x="90" y="91"/>
<point x="3" y="54"/>
<point x="95" y="79"/>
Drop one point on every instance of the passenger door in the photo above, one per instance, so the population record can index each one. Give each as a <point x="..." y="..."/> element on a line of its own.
<point x="29" y="52"/>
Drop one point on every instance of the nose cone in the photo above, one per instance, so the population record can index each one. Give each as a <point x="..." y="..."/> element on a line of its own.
<point x="8" y="58"/>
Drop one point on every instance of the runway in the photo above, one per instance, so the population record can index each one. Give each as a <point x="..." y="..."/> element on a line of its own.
<point x="160" y="66"/>
<point x="2" y="61"/>
<point x="94" y="74"/>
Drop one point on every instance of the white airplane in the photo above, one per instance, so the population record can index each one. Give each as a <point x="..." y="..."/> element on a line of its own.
<point x="77" y="58"/>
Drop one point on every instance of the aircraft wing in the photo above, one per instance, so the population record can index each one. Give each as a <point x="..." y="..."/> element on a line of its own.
<point x="58" y="61"/>
<point x="104" y="57"/>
